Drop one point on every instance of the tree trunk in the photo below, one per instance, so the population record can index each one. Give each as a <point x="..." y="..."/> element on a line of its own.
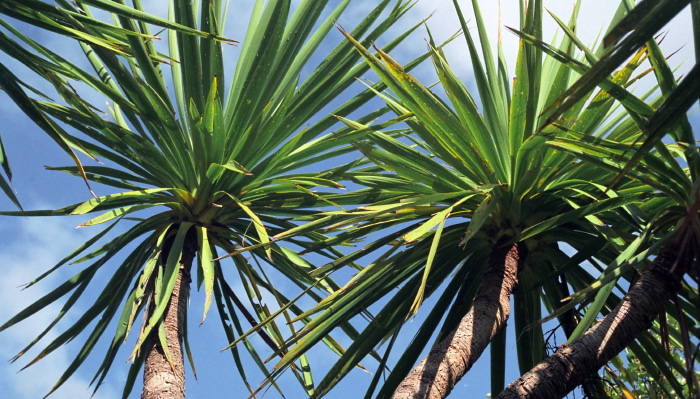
<point x="160" y="380"/>
<point x="449" y="361"/>
<point x="592" y="386"/>
<point x="571" y="364"/>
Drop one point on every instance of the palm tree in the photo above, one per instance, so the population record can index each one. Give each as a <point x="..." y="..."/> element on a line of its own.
<point x="481" y="205"/>
<point x="198" y="164"/>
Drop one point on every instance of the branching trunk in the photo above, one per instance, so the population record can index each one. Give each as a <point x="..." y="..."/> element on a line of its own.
<point x="160" y="380"/>
<point x="449" y="361"/>
<point x="571" y="364"/>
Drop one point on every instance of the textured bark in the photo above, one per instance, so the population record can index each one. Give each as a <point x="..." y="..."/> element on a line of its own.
<point x="449" y="361"/>
<point x="160" y="381"/>
<point x="592" y="386"/>
<point x="571" y="364"/>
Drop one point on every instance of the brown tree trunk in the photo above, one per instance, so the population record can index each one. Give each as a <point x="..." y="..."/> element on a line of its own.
<point x="449" y="361"/>
<point x="571" y="364"/>
<point x="160" y="380"/>
<point x="592" y="386"/>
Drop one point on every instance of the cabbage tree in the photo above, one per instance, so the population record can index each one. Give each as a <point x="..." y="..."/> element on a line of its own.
<point x="201" y="157"/>
<point x="663" y="154"/>
<point x="486" y="203"/>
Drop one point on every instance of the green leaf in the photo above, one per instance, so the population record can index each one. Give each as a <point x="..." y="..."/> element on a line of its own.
<point x="206" y="267"/>
<point x="257" y="223"/>
<point x="479" y="218"/>
<point x="428" y="265"/>
<point x="132" y="196"/>
<point x="119" y="213"/>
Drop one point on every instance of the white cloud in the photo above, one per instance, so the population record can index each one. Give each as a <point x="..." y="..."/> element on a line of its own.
<point x="30" y="247"/>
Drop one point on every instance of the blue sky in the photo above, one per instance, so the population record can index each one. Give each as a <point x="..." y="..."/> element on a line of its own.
<point x="28" y="246"/>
